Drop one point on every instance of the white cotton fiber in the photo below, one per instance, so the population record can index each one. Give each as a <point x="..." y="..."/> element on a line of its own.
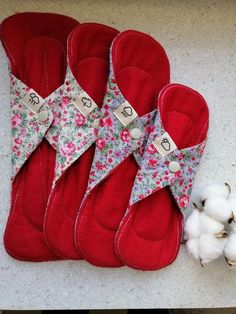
<point x="232" y="204"/>
<point x="214" y="190"/>
<point x="232" y="226"/>
<point x="230" y="249"/>
<point x="210" y="247"/>
<point x="206" y="229"/>
<point x="193" y="248"/>
<point x="192" y="228"/>
<point x="209" y="225"/>
<point x="218" y="208"/>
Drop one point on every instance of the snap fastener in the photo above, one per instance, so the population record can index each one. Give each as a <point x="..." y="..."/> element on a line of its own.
<point x="136" y="133"/>
<point x="43" y="116"/>
<point x="95" y="123"/>
<point x="174" y="166"/>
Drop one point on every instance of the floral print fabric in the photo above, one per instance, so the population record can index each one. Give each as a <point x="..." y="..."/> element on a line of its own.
<point x="78" y="132"/>
<point x="71" y="133"/>
<point x="114" y="142"/>
<point x="155" y="175"/>
<point x="27" y="130"/>
<point x="66" y="129"/>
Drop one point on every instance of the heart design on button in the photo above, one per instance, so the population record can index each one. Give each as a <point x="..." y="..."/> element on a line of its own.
<point x="86" y="102"/>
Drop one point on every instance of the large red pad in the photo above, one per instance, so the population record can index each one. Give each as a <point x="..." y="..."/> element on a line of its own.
<point x="35" y="44"/>
<point x="88" y="57"/>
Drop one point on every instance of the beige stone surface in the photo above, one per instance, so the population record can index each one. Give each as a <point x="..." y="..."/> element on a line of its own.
<point x="200" y="40"/>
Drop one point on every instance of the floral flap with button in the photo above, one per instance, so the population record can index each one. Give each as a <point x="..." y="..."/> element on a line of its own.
<point x="164" y="165"/>
<point x="33" y="118"/>
<point x="121" y="133"/>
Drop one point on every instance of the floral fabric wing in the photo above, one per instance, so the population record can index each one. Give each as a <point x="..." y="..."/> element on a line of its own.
<point x="27" y="129"/>
<point x="78" y="132"/>
<point x="154" y="173"/>
<point x="147" y="121"/>
<point x="114" y="142"/>
<point x="55" y="105"/>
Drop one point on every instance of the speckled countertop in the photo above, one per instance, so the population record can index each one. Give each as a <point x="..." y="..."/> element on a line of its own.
<point x="200" y="40"/>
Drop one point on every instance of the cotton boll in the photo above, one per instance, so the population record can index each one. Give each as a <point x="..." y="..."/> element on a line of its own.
<point x="215" y="190"/>
<point x="218" y="208"/>
<point x="210" y="247"/>
<point x="232" y="204"/>
<point x="192" y="228"/>
<point x="193" y="248"/>
<point x="209" y="225"/>
<point x="232" y="226"/>
<point x="230" y="249"/>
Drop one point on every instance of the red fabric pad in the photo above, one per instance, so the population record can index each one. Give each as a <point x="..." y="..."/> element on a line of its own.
<point x="35" y="44"/>
<point x="150" y="234"/>
<point x="88" y="55"/>
<point x="141" y="69"/>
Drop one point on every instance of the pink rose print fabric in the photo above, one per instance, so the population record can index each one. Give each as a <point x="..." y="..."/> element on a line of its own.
<point x="155" y="175"/>
<point x="27" y="130"/>
<point x="78" y="132"/>
<point x="114" y="142"/>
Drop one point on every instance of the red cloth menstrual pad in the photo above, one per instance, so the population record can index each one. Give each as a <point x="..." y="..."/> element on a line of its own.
<point x="141" y="69"/>
<point x="150" y="234"/>
<point x="88" y="57"/>
<point x="35" y="44"/>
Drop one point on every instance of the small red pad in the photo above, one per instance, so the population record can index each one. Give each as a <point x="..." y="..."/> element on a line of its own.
<point x="150" y="234"/>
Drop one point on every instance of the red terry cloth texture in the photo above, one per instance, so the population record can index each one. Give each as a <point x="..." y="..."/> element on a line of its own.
<point x="141" y="69"/>
<point x="35" y="44"/>
<point x="88" y="58"/>
<point x="149" y="236"/>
